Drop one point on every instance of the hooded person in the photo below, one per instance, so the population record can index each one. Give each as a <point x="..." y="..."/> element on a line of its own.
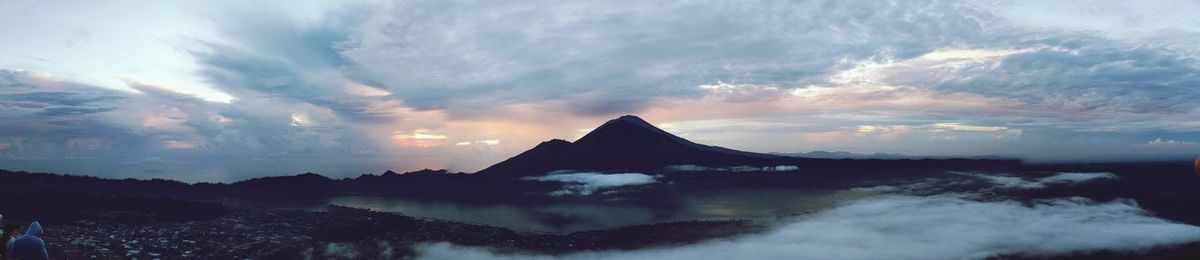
<point x="29" y="246"/>
<point x="9" y="234"/>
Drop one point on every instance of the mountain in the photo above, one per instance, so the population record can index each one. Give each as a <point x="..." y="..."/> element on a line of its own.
<point x="302" y="185"/>
<point x="624" y="143"/>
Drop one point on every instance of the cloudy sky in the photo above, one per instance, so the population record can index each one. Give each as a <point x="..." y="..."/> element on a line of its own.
<point x="224" y="90"/>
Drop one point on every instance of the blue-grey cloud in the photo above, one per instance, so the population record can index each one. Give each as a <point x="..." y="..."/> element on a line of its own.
<point x="272" y="56"/>
<point x="468" y="58"/>
<point x="22" y="96"/>
<point x="58" y="111"/>
<point x="56" y="98"/>
<point x="1093" y="75"/>
<point x="64" y="126"/>
<point x="619" y="57"/>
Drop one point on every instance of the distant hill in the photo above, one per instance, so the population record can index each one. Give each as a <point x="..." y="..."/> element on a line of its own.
<point x="879" y="156"/>
<point x="295" y="186"/>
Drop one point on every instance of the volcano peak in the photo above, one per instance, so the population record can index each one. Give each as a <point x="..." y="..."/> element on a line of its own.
<point x="626" y="142"/>
<point x="628" y="128"/>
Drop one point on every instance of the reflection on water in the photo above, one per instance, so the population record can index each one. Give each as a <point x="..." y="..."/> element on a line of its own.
<point x="577" y="216"/>
<point x="758" y="204"/>
<point x="541" y="218"/>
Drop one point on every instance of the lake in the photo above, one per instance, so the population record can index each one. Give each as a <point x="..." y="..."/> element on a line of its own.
<point x="561" y="217"/>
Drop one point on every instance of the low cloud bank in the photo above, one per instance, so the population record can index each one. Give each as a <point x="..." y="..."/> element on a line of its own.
<point x="586" y="183"/>
<point x="906" y="227"/>
<point x="743" y="168"/>
<point x="1062" y="178"/>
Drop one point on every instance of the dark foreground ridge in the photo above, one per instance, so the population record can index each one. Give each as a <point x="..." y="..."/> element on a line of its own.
<point x="348" y="233"/>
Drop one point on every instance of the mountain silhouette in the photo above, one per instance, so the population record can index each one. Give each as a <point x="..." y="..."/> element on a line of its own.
<point x="302" y="185"/>
<point x="624" y="143"/>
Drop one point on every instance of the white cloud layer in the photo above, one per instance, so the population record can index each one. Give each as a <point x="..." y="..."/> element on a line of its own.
<point x="1062" y="178"/>
<point x="903" y="227"/>
<point x="586" y="183"/>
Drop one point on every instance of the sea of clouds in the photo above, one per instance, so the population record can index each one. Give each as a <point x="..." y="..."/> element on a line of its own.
<point x="943" y="226"/>
<point x="586" y="183"/>
<point x="1062" y="178"/>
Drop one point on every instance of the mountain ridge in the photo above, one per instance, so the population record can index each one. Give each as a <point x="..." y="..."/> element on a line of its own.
<point x="878" y="156"/>
<point x="624" y="143"/>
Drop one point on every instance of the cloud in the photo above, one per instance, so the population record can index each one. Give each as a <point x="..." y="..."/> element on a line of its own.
<point x="480" y="142"/>
<point x="48" y="99"/>
<point x="1077" y="177"/>
<point x="878" y="189"/>
<point x="1062" y="178"/>
<point x="882" y="131"/>
<point x="434" y="55"/>
<point x="59" y="111"/>
<point x="179" y="145"/>
<point x="209" y="95"/>
<point x="906" y="227"/>
<point x="341" y="251"/>
<point x="686" y="168"/>
<point x="586" y="183"/>
<point x="30" y="94"/>
<point x="423" y="138"/>
<point x="740" y="93"/>
<point x="1169" y="142"/>
<point x="968" y="128"/>
<point x="1160" y="24"/>
<point x="297" y="61"/>
<point x="1100" y="80"/>
<point x="52" y="120"/>
<point x="44" y="116"/>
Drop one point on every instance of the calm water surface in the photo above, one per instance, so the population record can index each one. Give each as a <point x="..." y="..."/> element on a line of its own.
<point x="578" y="216"/>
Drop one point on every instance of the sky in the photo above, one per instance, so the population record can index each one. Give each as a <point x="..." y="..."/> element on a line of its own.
<point x="228" y="90"/>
